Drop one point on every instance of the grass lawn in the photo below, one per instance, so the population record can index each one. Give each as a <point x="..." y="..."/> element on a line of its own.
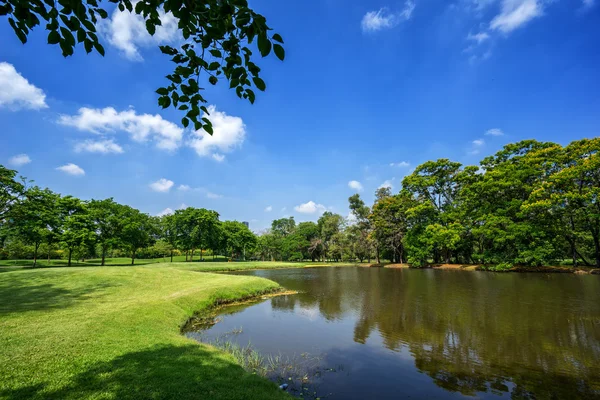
<point x="113" y="333"/>
<point x="120" y="261"/>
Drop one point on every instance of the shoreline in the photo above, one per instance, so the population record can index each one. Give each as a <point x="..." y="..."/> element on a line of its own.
<point x="480" y="267"/>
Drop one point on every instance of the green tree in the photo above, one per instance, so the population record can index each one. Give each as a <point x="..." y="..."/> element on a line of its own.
<point x="76" y="228"/>
<point x="218" y="35"/>
<point x="11" y="191"/>
<point x="139" y="230"/>
<point x="238" y="238"/>
<point x="361" y="213"/>
<point x="35" y="217"/>
<point x="105" y="216"/>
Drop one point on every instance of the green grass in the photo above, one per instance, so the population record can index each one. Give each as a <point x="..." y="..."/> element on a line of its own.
<point x="117" y="261"/>
<point x="114" y="333"/>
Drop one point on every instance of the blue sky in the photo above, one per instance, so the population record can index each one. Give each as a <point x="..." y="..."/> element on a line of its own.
<point x="368" y="90"/>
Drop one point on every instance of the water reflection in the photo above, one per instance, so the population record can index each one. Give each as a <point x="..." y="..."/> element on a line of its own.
<point x="471" y="333"/>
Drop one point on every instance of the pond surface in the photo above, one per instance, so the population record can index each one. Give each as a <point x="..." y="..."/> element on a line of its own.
<point x="399" y="333"/>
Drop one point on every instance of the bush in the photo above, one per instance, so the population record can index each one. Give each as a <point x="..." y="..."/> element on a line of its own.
<point x="501" y="267"/>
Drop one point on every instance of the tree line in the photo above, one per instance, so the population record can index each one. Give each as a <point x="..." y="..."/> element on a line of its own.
<point x="532" y="203"/>
<point x="32" y="218"/>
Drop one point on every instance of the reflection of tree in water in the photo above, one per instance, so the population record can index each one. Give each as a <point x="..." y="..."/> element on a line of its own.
<point x="534" y="336"/>
<point x="472" y="331"/>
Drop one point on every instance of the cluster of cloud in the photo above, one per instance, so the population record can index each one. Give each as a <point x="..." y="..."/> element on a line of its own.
<point x="401" y="164"/>
<point x="99" y="146"/>
<point x="71" y="169"/>
<point x="19" y="160"/>
<point x="310" y="207"/>
<point x="141" y="127"/>
<point x="374" y="21"/>
<point x="127" y="32"/>
<point x="512" y="15"/>
<point x="268" y="208"/>
<point x="386" y="184"/>
<point x="494" y="132"/>
<point x="355" y="185"/>
<point x="478" y="144"/>
<point x="164" y="185"/>
<point x="229" y="133"/>
<point x="17" y="93"/>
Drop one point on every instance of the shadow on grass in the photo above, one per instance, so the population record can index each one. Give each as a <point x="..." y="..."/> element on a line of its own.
<point x="20" y="294"/>
<point x="165" y="372"/>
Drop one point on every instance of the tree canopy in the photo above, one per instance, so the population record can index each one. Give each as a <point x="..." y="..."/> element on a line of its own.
<point x="217" y="42"/>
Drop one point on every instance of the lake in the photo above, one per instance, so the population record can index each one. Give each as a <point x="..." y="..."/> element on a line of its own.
<point x="402" y="333"/>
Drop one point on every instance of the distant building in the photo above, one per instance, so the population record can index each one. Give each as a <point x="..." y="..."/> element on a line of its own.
<point x="246" y="223"/>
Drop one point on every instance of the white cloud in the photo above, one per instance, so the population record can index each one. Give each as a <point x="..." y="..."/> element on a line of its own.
<point x="127" y="32"/>
<point x="476" y="146"/>
<point x="162" y="185"/>
<point x="374" y="21"/>
<point x="141" y="127"/>
<point x="515" y="13"/>
<point x="218" y="157"/>
<point x="402" y="164"/>
<point x="166" y="211"/>
<point x="589" y="3"/>
<point x="268" y="208"/>
<point x="386" y="184"/>
<point x="100" y="146"/>
<point x="310" y="208"/>
<point x="355" y="185"/>
<point x="19" y="160"/>
<point x="16" y="92"/>
<point x="478" y="37"/>
<point x="228" y="133"/>
<point x="211" y="195"/>
<point x="183" y="188"/>
<point x="71" y="169"/>
<point x="494" y="132"/>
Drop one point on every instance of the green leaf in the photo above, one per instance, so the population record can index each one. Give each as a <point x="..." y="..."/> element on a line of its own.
<point x="103" y="14"/>
<point x="162" y="91"/>
<point x="208" y="128"/>
<point x="260" y="84"/>
<point x="279" y="51"/>
<point x="213" y="66"/>
<point x="88" y="45"/>
<point x="277" y="37"/>
<point x="80" y="35"/>
<point x="185" y="122"/>
<point x="150" y="27"/>
<point x="53" y="37"/>
<point x="99" y="48"/>
<point x="215" y="53"/>
<point x="251" y="95"/>
<point x="213" y="80"/>
<point x="264" y="45"/>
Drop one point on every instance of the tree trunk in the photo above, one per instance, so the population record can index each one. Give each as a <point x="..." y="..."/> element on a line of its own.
<point x="377" y="254"/>
<point x="201" y="255"/>
<point x="103" y="257"/>
<point x="597" y="247"/>
<point x="132" y="257"/>
<point x="70" y="253"/>
<point x="171" y="255"/>
<point x="35" y="251"/>
<point x="192" y="255"/>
